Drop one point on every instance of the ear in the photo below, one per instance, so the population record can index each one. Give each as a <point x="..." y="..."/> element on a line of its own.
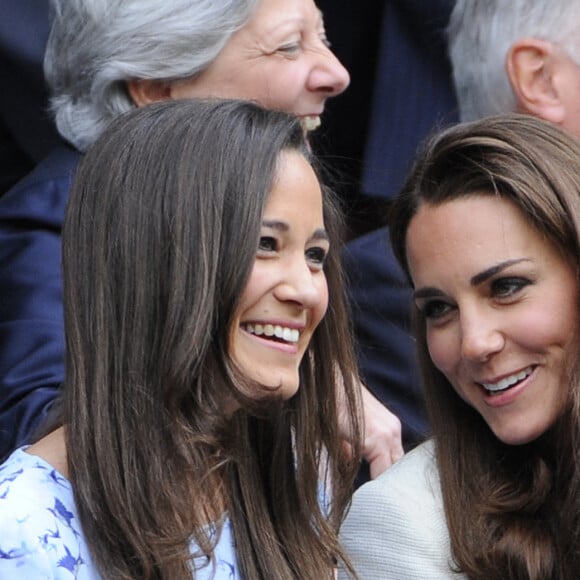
<point x="532" y="68"/>
<point x="148" y="91"/>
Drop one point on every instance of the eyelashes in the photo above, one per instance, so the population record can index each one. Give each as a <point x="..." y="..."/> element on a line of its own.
<point x="267" y="244"/>
<point x="289" y="49"/>
<point x="508" y="286"/>
<point x="314" y="255"/>
<point x="294" y="48"/>
<point x="504" y="290"/>
<point x="434" y="309"/>
<point x="317" y="256"/>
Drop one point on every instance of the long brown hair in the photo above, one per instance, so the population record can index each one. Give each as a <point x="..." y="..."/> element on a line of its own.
<point x="159" y="240"/>
<point x="513" y="512"/>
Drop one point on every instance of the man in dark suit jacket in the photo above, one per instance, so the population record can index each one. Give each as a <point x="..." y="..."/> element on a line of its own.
<point x="412" y="93"/>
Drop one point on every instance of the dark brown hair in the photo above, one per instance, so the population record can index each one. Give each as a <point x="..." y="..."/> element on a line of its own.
<point x="160" y="237"/>
<point x="513" y="512"/>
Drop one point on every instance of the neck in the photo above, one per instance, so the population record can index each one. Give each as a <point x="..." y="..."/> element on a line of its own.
<point x="52" y="448"/>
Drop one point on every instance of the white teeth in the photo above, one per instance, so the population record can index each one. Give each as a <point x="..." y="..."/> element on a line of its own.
<point x="310" y="123"/>
<point x="508" y="381"/>
<point x="281" y="332"/>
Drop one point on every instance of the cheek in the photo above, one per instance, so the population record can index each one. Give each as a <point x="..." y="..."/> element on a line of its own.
<point x="546" y="331"/>
<point x="551" y="319"/>
<point x="283" y="89"/>
<point x="257" y="287"/>
<point x="443" y="349"/>
<point x="320" y="310"/>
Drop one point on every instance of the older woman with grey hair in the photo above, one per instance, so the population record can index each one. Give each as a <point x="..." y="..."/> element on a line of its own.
<point x="105" y="57"/>
<point x="98" y="48"/>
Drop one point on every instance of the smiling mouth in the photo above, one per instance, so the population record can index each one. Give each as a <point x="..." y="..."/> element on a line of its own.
<point x="274" y="332"/>
<point x="508" y="382"/>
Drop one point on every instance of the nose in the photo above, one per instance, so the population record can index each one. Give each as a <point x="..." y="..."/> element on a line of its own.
<point x="328" y="75"/>
<point x="301" y="285"/>
<point x="481" y="336"/>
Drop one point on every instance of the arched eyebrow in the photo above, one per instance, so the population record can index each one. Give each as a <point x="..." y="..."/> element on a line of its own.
<point x="276" y="225"/>
<point x="280" y="226"/>
<point x="427" y="292"/>
<point x="490" y="272"/>
<point x="319" y="234"/>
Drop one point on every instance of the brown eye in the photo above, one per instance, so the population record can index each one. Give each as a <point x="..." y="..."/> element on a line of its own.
<point x="507" y="287"/>
<point x="434" y="309"/>
<point x="316" y="256"/>
<point x="267" y="244"/>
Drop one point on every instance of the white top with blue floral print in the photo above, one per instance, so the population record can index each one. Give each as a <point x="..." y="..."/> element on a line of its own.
<point x="40" y="533"/>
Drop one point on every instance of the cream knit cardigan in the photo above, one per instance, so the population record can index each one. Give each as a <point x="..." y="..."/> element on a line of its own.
<point x="396" y="529"/>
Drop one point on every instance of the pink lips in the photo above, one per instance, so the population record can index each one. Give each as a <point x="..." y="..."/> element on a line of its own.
<point x="509" y="395"/>
<point x="284" y="347"/>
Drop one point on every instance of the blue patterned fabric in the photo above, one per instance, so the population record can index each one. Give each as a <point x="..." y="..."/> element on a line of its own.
<point x="40" y="534"/>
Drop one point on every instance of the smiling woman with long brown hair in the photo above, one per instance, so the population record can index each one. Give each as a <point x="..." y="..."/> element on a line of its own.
<point x="487" y="230"/>
<point x="206" y="328"/>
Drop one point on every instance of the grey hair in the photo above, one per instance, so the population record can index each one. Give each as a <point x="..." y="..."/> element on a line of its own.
<point x="480" y="34"/>
<point x="95" y="46"/>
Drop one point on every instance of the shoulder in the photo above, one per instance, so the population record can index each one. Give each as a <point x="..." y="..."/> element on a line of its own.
<point x="28" y="480"/>
<point x="396" y="526"/>
<point x="410" y="484"/>
<point x="40" y="534"/>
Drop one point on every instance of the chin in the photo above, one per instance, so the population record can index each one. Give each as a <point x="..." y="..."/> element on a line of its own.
<point x="515" y="438"/>
<point x="280" y="386"/>
<point x="288" y="390"/>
